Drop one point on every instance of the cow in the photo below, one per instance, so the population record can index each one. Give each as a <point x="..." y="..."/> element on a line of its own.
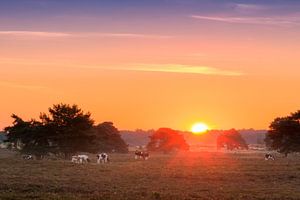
<point x="145" y="155"/>
<point x="75" y="159"/>
<point x="138" y="154"/>
<point x="102" y="157"/>
<point x="27" y="157"/>
<point x="141" y="154"/>
<point x="269" y="156"/>
<point x="83" y="159"/>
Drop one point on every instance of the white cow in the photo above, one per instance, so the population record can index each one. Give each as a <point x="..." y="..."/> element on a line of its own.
<point x="80" y="159"/>
<point x="102" y="157"/>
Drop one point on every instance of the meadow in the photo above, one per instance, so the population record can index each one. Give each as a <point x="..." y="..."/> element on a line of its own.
<point x="192" y="175"/>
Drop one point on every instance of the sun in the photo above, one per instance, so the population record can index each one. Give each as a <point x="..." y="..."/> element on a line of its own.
<point x="199" y="128"/>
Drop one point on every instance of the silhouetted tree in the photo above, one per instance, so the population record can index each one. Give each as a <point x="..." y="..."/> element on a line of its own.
<point x="284" y="134"/>
<point x="231" y="140"/>
<point x="166" y="140"/>
<point x="28" y="136"/>
<point x="65" y="130"/>
<point x="70" y="128"/>
<point x="108" y="139"/>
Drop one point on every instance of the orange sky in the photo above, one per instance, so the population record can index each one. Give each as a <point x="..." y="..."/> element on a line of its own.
<point x="167" y="74"/>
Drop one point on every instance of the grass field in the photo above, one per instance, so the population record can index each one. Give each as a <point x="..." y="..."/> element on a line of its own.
<point x="203" y="175"/>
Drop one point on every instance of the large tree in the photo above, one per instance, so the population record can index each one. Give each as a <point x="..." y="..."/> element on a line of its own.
<point x="231" y="139"/>
<point x="166" y="140"/>
<point x="70" y="128"/>
<point x="65" y="130"/>
<point x="284" y="134"/>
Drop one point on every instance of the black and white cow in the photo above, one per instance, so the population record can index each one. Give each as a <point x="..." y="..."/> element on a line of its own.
<point x="102" y="158"/>
<point x="145" y="155"/>
<point x="141" y="154"/>
<point x="269" y="156"/>
<point x="138" y="154"/>
<point x="27" y="157"/>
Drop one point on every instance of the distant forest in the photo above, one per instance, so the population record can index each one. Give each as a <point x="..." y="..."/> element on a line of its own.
<point x="141" y="137"/>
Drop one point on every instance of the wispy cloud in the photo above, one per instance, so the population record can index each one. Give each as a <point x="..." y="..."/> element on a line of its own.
<point x="146" y="67"/>
<point x="123" y="35"/>
<point x="39" y="34"/>
<point x="34" y="34"/>
<point x="179" y="68"/>
<point x="289" y="20"/>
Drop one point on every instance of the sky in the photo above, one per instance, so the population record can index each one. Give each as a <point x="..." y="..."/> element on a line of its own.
<point x="150" y="64"/>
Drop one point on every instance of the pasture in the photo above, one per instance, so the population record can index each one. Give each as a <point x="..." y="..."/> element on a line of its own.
<point x="195" y="175"/>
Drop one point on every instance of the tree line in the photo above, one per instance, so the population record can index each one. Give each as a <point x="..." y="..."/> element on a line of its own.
<point x="66" y="130"/>
<point x="283" y="136"/>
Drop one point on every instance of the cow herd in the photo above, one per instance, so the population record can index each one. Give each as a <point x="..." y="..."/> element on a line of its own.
<point x="104" y="158"/>
<point x="80" y="159"/>
<point x="101" y="158"/>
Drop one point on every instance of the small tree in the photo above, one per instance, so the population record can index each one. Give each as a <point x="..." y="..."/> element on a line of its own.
<point x="166" y="140"/>
<point x="231" y="139"/>
<point x="284" y="134"/>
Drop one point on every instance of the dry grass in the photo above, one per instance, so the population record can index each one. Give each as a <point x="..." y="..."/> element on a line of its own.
<point x="204" y="175"/>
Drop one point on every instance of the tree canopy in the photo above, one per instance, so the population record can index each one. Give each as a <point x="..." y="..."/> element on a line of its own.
<point x="284" y="134"/>
<point x="231" y="139"/>
<point x="109" y="138"/>
<point x="65" y="130"/>
<point x="166" y="140"/>
<point x="28" y="136"/>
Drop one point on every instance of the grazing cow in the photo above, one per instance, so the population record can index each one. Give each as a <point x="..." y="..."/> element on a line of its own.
<point x="145" y="155"/>
<point x="75" y="159"/>
<point x="102" y="157"/>
<point x="269" y="156"/>
<point x="141" y="154"/>
<point x="138" y="154"/>
<point x="83" y="159"/>
<point x="28" y="157"/>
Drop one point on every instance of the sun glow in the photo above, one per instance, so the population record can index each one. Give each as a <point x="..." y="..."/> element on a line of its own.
<point x="199" y="128"/>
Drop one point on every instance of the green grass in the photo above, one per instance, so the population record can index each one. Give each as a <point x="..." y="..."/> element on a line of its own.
<point x="201" y="175"/>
